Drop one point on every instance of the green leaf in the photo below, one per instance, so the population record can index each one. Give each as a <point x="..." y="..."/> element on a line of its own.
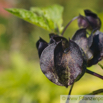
<point x="52" y="15"/>
<point x="49" y="18"/>
<point x="100" y="65"/>
<point x="30" y="17"/>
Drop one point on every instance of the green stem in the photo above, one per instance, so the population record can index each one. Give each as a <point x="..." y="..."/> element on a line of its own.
<point x="96" y="92"/>
<point x="100" y="65"/>
<point x="68" y="25"/>
<point x="67" y="101"/>
<point x="94" y="74"/>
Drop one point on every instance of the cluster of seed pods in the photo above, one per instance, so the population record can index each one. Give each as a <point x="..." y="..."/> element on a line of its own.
<point x="65" y="61"/>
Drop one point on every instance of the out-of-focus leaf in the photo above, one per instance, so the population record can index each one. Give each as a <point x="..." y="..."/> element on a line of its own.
<point x="49" y="18"/>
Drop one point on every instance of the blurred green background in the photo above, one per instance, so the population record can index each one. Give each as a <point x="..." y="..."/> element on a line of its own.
<point x="21" y="79"/>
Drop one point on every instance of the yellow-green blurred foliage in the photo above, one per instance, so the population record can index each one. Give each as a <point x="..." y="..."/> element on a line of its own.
<point x="21" y="79"/>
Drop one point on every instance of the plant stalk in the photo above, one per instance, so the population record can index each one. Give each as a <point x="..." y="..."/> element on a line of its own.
<point x="96" y="92"/>
<point x="68" y="25"/>
<point x="67" y="101"/>
<point x="94" y="74"/>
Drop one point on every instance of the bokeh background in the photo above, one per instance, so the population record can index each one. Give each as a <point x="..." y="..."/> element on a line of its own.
<point x="21" y="79"/>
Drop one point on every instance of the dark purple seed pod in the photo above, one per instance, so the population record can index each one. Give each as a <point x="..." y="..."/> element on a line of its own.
<point x="41" y="45"/>
<point x="47" y="64"/>
<point x="85" y="43"/>
<point x="82" y="22"/>
<point x="70" y="66"/>
<point x="65" y="42"/>
<point x="91" y="21"/>
<point x="96" y="48"/>
<point x="63" y="68"/>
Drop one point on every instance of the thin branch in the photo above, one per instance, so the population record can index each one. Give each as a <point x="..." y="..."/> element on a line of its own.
<point x="94" y="74"/>
<point x="68" y="25"/>
<point x="93" y="93"/>
<point x="96" y="92"/>
<point x="67" y="101"/>
<point x="100" y="65"/>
